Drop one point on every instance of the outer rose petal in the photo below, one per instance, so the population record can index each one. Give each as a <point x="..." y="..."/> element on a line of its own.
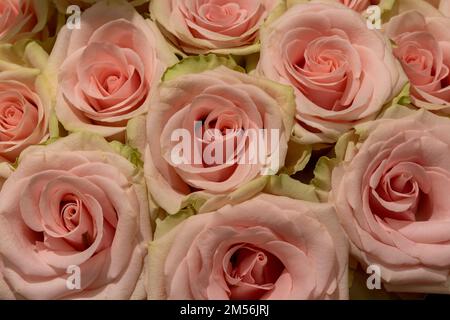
<point x="195" y="246"/>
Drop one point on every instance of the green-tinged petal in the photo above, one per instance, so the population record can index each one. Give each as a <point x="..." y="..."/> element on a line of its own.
<point x="136" y="133"/>
<point x="386" y="5"/>
<point x="197" y="64"/>
<point x="194" y="201"/>
<point x="276" y="13"/>
<point x="77" y="141"/>
<point x="398" y="111"/>
<point x="322" y="176"/>
<point x="23" y="56"/>
<point x="344" y="149"/>
<point x="157" y="254"/>
<point x="54" y="126"/>
<point x="132" y="154"/>
<point x="346" y="145"/>
<point x="403" y="99"/>
<point x="401" y="6"/>
<point x="241" y="51"/>
<point x="291" y="3"/>
<point x="163" y="226"/>
<point x="36" y="56"/>
<point x="5" y="170"/>
<point x="297" y="158"/>
<point x="283" y="185"/>
<point x="242" y="194"/>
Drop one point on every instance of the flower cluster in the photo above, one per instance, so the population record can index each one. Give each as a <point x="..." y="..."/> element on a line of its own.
<point x="224" y="149"/>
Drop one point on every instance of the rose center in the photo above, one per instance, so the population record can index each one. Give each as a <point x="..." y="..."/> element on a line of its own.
<point x="252" y="272"/>
<point x="70" y="212"/>
<point x="10" y="115"/>
<point x="400" y="192"/>
<point x="225" y="14"/>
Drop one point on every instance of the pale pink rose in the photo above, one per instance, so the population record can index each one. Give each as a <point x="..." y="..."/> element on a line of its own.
<point x="359" y="5"/>
<point x="392" y="199"/>
<point x="74" y="204"/>
<point x="23" y="118"/>
<point x="25" y="100"/>
<point x="108" y="69"/>
<point x="213" y="108"/>
<point x="269" y="247"/>
<point x="423" y="48"/>
<point x="218" y="26"/>
<point x="21" y="18"/>
<point x="343" y="72"/>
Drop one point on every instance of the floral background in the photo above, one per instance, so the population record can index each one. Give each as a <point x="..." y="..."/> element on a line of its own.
<point x="348" y="200"/>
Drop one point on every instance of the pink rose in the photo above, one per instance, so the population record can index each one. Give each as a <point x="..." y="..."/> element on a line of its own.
<point x="359" y="5"/>
<point x="423" y="48"/>
<point x="343" y="72"/>
<point x="25" y="99"/>
<point x="218" y="26"/>
<point x="21" y="18"/>
<point x="209" y="112"/>
<point x="108" y="69"/>
<point x="392" y="200"/>
<point x="269" y="247"/>
<point x="74" y="205"/>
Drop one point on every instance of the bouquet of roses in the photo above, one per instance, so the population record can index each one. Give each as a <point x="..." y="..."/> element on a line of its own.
<point x="224" y="149"/>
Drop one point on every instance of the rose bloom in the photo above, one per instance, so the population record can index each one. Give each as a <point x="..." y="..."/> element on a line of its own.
<point x="342" y="71"/>
<point x="269" y="247"/>
<point x="392" y="199"/>
<point x="218" y="26"/>
<point x="74" y="203"/>
<point x="22" y="18"/>
<point x="108" y="69"/>
<point x="215" y="107"/>
<point x="423" y="47"/>
<point x="25" y="99"/>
